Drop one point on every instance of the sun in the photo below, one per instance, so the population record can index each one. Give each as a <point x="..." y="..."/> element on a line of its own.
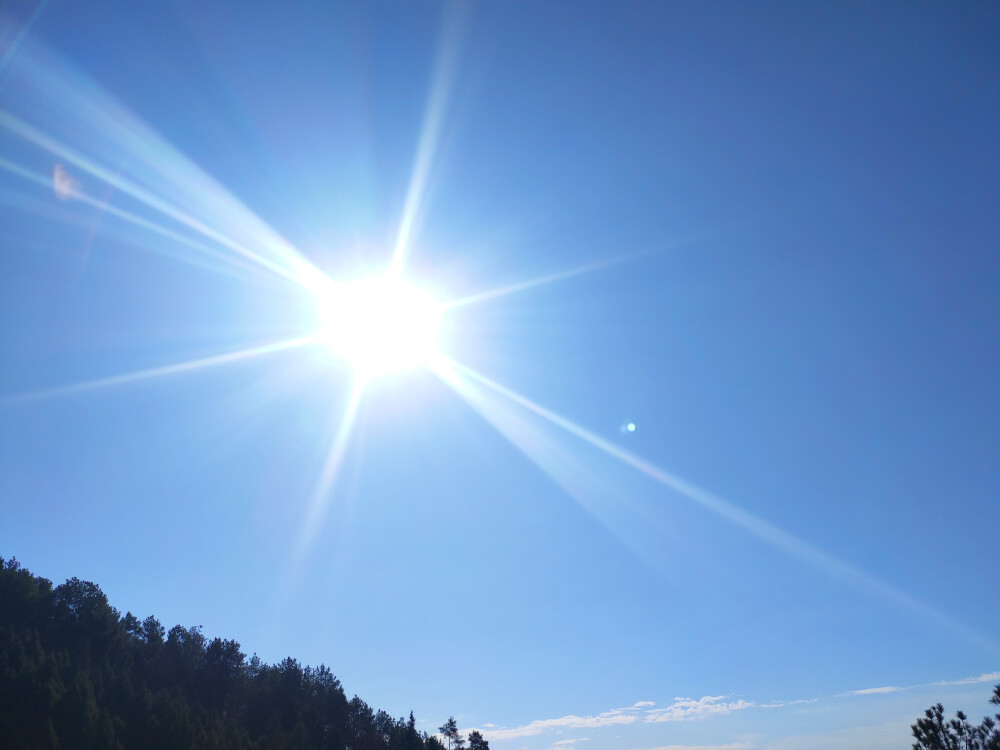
<point x="380" y="325"/>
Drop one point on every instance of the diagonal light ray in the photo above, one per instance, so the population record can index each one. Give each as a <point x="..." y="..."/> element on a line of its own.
<point x="125" y="185"/>
<point x="591" y="484"/>
<point x="56" y="106"/>
<point x="452" y="372"/>
<point x="155" y="372"/>
<point x="331" y="469"/>
<point x="578" y="271"/>
<point x="106" y="207"/>
<point x="542" y="280"/>
<point x="430" y="132"/>
<point x="21" y="35"/>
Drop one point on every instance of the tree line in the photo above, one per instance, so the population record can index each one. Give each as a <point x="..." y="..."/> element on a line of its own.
<point x="932" y="732"/>
<point x="449" y="730"/>
<point x="76" y="674"/>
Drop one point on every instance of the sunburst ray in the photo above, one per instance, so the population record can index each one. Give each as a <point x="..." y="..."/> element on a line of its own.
<point x="464" y="381"/>
<point x="155" y="372"/>
<point x="430" y="133"/>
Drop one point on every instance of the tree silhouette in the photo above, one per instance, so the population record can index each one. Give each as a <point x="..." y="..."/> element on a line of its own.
<point x="932" y="732"/>
<point x="450" y="731"/>
<point x="76" y="674"/>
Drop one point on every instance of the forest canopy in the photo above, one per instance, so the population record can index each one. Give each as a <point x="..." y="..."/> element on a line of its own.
<point x="75" y="673"/>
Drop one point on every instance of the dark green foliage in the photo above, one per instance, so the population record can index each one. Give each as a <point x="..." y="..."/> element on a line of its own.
<point x="75" y="674"/>
<point x="450" y="732"/>
<point x="934" y="733"/>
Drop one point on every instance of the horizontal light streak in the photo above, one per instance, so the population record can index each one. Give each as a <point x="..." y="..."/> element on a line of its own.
<point x="156" y="372"/>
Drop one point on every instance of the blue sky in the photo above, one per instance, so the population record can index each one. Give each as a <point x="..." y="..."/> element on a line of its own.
<point x="764" y="234"/>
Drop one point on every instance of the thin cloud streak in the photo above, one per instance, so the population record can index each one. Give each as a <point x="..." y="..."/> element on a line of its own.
<point x="985" y="677"/>
<point x="688" y="709"/>
<point x="682" y="709"/>
<point x="614" y="717"/>
<point x="782" y="704"/>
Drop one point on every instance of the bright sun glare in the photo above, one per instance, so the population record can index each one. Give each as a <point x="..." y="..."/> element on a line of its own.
<point x="380" y="325"/>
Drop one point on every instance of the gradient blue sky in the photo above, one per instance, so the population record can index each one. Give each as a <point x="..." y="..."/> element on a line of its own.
<point x="785" y="220"/>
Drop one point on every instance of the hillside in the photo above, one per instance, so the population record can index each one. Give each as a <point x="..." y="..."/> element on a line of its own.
<point x="75" y="673"/>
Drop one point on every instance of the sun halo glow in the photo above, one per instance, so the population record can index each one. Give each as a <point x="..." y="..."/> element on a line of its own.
<point x="380" y="325"/>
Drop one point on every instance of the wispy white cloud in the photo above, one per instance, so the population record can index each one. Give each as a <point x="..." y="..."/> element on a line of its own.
<point x="876" y="690"/>
<point x="569" y="743"/>
<point x="682" y="709"/>
<point x="634" y="707"/>
<point x="985" y="677"/>
<point x="614" y="717"/>
<point x="686" y="709"/>
<point x="782" y="704"/>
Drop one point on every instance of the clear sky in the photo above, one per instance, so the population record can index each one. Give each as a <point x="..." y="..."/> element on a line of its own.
<point x="767" y="236"/>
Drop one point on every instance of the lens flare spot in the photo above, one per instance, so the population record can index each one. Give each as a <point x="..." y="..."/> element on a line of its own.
<point x="64" y="184"/>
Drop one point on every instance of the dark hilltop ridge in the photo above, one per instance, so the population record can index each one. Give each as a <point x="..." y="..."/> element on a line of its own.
<point x="75" y="673"/>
